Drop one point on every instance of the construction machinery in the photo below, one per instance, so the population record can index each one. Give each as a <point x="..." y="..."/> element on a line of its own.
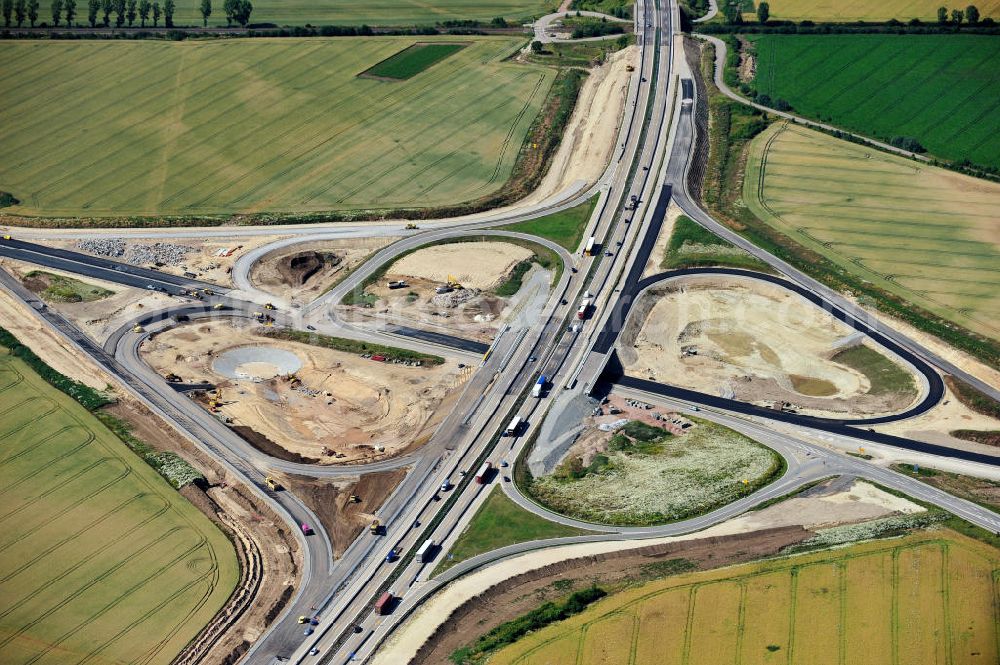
<point x="138" y="329"/>
<point x="268" y="305"/>
<point x="411" y="226"/>
<point x="272" y="484"/>
<point x="218" y="305"/>
<point x="630" y="68"/>
<point x="375" y="528"/>
<point x="355" y="498"/>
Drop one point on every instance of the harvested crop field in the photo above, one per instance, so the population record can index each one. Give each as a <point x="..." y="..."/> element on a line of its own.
<point x="840" y="11"/>
<point x="305" y="402"/>
<point x="643" y="475"/>
<point x="103" y="561"/>
<point x="71" y="145"/>
<point x="757" y="342"/>
<point x="927" y="598"/>
<point x="925" y="234"/>
<point x="942" y="90"/>
<point x="358" y="12"/>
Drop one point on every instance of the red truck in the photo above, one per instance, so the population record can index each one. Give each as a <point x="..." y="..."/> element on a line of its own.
<point x="384" y="604"/>
<point x="484" y="473"/>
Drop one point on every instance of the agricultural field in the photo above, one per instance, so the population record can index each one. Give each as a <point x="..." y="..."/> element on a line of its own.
<point x="102" y="560"/>
<point x="644" y="475"/>
<point x="845" y="11"/>
<point x="925" y="234"/>
<point x="257" y="125"/>
<point x="941" y="90"/>
<point x="930" y="597"/>
<point x="357" y="12"/>
<point x="412" y="60"/>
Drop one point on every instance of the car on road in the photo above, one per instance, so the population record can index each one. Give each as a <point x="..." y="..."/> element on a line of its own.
<point x="308" y="631"/>
<point x="532" y="359"/>
<point x="608" y="252"/>
<point x="303" y="619"/>
<point x="504" y="464"/>
<point x="310" y="327"/>
<point x="314" y="651"/>
<point x="506" y="479"/>
<point x="306" y="529"/>
<point x="446" y="485"/>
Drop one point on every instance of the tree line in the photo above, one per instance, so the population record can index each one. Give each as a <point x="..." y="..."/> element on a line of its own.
<point x="126" y="12"/>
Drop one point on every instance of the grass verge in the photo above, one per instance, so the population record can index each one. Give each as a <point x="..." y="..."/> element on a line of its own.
<point x="500" y="522"/>
<point x="692" y="245"/>
<point x="565" y="227"/>
<point x="972" y="398"/>
<point x="59" y="288"/>
<point x="980" y="491"/>
<point x="884" y="375"/>
<point x="391" y="353"/>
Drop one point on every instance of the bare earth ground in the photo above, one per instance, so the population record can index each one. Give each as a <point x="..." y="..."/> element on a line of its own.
<point x="17" y="318"/>
<point x="934" y="425"/>
<point x="749" y="340"/>
<point x="660" y="246"/>
<point x="99" y="318"/>
<point x="330" y="500"/>
<point x="472" y="311"/>
<point x="338" y="257"/>
<point x="476" y="265"/>
<point x="359" y="409"/>
<point x="589" y="139"/>
<point x="277" y="547"/>
<point x="477" y="602"/>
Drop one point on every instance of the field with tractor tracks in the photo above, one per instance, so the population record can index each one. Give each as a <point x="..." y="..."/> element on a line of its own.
<point x="359" y="12"/>
<point x="941" y="90"/>
<point x="257" y="125"/>
<point x="844" y="11"/>
<point x="102" y="560"/>
<point x="927" y="598"/>
<point x="928" y="235"/>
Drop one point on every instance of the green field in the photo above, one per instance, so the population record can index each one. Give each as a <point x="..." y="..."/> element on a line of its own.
<point x="412" y="60"/>
<point x="500" y="522"/>
<point x="256" y="125"/>
<point x="358" y="12"/>
<point x="926" y="598"/>
<point x="942" y="90"/>
<point x="60" y="288"/>
<point x="843" y="11"/>
<point x="103" y="562"/>
<point x="925" y="234"/>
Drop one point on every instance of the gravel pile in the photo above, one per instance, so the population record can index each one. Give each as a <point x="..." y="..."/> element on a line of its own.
<point x="454" y="298"/>
<point x="158" y="252"/>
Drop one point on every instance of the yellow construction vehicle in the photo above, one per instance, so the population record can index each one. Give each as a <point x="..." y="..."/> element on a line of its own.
<point x="355" y="498"/>
<point x="272" y="484"/>
<point x="268" y="305"/>
<point x="138" y="329"/>
<point x="208" y="292"/>
<point x="218" y="305"/>
<point x="454" y="283"/>
<point x="303" y="619"/>
<point x="630" y="68"/>
<point x="6" y="236"/>
<point x="375" y="528"/>
<point x="411" y="226"/>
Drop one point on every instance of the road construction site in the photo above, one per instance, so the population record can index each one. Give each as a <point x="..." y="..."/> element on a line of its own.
<point x="316" y="404"/>
<point x="755" y="342"/>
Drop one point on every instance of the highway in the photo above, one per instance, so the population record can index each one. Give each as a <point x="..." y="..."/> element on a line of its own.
<point x="656" y="138"/>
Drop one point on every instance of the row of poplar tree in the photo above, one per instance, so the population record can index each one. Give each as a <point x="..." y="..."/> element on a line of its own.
<point x="125" y="11"/>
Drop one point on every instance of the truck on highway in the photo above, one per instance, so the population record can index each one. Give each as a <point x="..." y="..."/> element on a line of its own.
<point x="484" y="473"/>
<point x="514" y="427"/>
<point x="536" y="390"/>
<point x="383" y="605"/>
<point x="584" y="309"/>
<point x="588" y="249"/>
<point x="426" y="551"/>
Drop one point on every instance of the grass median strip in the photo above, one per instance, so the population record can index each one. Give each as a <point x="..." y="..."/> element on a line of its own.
<point x="390" y="353"/>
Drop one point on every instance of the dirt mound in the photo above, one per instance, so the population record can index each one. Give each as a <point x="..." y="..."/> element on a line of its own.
<point x="330" y="500"/>
<point x="296" y="269"/>
<point x="520" y="594"/>
<point x="265" y="445"/>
